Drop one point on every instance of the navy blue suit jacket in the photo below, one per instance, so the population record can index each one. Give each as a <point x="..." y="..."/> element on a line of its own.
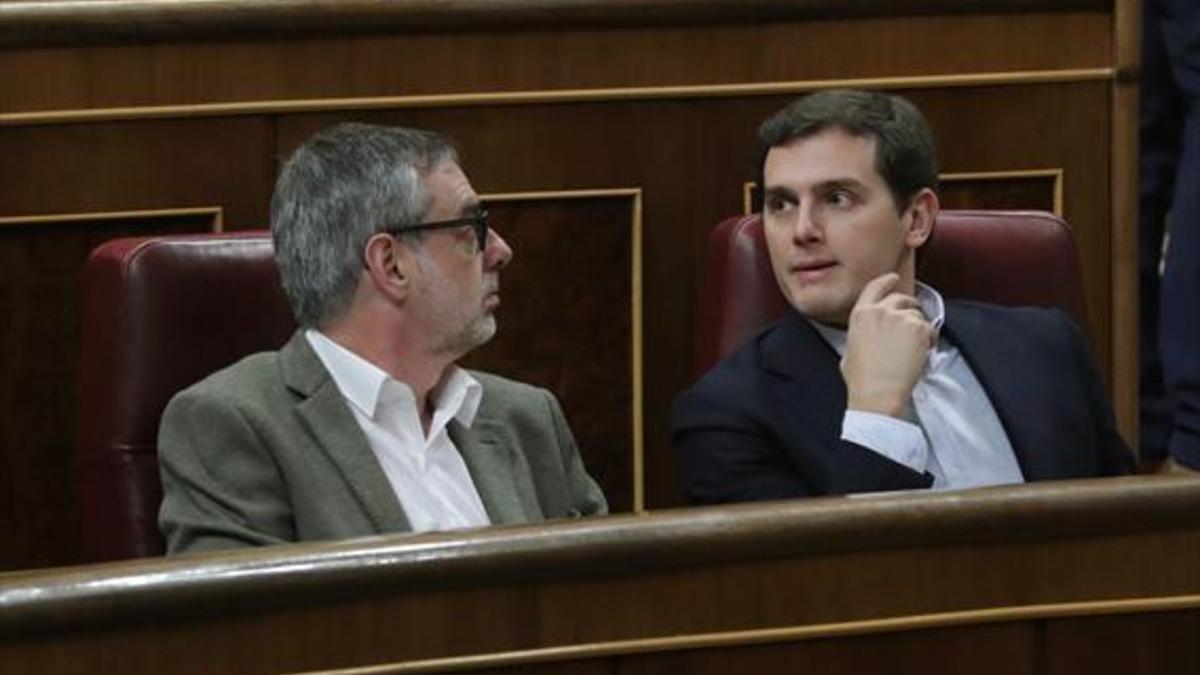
<point x="765" y="423"/>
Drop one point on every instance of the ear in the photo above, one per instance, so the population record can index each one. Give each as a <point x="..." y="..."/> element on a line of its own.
<point x="922" y="212"/>
<point x="389" y="266"/>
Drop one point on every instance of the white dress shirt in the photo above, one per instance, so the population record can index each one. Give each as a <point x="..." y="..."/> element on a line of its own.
<point x="425" y="470"/>
<point x="951" y="430"/>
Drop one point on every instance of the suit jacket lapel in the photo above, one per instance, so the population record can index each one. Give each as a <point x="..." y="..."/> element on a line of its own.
<point x="489" y="452"/>
<point x="328" y="418"/>
<point x="1001" y="362"/>
<point x="808" y="368"/>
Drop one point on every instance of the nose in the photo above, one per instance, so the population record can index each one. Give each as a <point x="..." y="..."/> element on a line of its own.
<point x="497" y="253"/>
<point x="806" y="230"/>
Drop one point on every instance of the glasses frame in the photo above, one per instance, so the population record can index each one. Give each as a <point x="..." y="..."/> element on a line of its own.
<point x="478" y="221"/>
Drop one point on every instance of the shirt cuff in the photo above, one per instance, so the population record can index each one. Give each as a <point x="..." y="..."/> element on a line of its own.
<point x="896" y="439"/>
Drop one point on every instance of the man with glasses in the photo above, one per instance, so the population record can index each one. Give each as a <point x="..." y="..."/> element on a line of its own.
<point x="875" y="382"/>
<point x="362" y="423"/>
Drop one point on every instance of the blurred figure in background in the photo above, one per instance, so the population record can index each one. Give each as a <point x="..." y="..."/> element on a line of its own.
<point x="1170" y="198"/>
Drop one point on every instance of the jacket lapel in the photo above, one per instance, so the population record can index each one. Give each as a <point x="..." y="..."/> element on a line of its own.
<point x="807" y="368"/>
<point x="328" y="419"/>
<point x="497" y="469"/>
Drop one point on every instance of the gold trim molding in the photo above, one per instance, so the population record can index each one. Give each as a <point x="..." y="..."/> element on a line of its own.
<point x="551" y="96"/>
<point x="216" y="212"/>
<point x="760" y="636"/>
<point x="635" y="305"/>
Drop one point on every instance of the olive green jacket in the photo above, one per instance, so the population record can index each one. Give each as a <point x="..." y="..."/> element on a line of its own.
<point x="267" y="451"/>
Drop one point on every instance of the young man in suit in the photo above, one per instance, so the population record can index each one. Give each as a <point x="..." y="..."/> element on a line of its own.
<point x="875" y="382"/>
<point x="362" y="423"/>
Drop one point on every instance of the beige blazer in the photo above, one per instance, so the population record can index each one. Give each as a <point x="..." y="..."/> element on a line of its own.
<point x="267" y="451"/>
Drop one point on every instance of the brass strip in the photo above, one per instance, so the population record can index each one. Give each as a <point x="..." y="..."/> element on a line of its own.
<point x="216" y="212"/>
<point x="639" y="473"/>
<point x="1006" y="173"/>
<point x="1056" y="173"/>
<point x="774" y="635"/>
<point x="551" y="96"/>
<point x="635" y="304"/>
<point x="1059" y="183"/>
<point x="748" y="197"/>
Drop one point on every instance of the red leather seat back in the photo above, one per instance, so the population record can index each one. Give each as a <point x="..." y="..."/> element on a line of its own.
<point x="160" y="313"/>
<point x="1003" y="257"/>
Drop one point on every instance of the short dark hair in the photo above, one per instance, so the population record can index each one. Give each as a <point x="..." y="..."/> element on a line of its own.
<point x="904" y="150"/>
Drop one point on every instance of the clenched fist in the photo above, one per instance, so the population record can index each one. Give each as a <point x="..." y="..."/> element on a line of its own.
<point x="886" y="341"/>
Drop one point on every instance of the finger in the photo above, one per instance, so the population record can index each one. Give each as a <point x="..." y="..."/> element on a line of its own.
<point x="878" y="288"/>
<point x="900" y="301"/>
<point x="917" y="315"/>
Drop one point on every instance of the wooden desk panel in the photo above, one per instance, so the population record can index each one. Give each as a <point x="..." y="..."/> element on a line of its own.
<point x="1020" y="579"/>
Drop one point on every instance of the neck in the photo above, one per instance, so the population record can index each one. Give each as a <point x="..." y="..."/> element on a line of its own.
<point x="395" y="353"/>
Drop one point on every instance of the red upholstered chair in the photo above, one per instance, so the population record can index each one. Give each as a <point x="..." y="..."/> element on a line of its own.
<point x="159" y="314"/>
<point x="1003" y="257"/>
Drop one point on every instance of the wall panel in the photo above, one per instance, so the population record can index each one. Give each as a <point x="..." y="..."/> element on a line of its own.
<point x="1154" y="643"/>
<point x="567" y="320"/>
<point x="465" y="62"/>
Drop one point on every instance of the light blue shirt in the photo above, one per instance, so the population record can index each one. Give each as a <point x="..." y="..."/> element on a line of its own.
<point x="951" y="429"/>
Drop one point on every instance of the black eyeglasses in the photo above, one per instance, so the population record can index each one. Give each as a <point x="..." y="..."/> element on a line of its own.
<point x="478" y="221"/>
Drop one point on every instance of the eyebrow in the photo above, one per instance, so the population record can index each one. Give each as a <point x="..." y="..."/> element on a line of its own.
<point x="779" y="192"/>
<point x="784" y="192"/>
<point x="842" y="183"/>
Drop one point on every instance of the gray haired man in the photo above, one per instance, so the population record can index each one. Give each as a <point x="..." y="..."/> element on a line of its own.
<point x="362" y="424"/>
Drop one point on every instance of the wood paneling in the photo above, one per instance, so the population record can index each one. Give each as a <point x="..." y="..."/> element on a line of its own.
<point x="1162" y="643"/>
<point x="653" y="54"/>
<point x="1127" y="24"/>
<point x="998" y="650"/>
<point x="567" y="321"/>
<point x="1003" y="191"/>
<point x="120" y="166"/>
<point x="688" y="151"/>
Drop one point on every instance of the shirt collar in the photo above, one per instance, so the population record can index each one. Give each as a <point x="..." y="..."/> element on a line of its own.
<point x="367" y="387"/>
<point x="932" y="306"/>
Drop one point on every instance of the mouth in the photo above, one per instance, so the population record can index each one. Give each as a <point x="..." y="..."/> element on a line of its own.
<point x="813" y="270"/>
<point x="491" y="298"/>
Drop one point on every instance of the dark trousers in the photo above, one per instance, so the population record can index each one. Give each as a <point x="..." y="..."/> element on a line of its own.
<point x="1170" y="184"/>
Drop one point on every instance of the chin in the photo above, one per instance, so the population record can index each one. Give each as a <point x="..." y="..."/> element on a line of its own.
<point x="826" y="312"/>
<point x="484" y="330"/>
<point x="473" y="335"/>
